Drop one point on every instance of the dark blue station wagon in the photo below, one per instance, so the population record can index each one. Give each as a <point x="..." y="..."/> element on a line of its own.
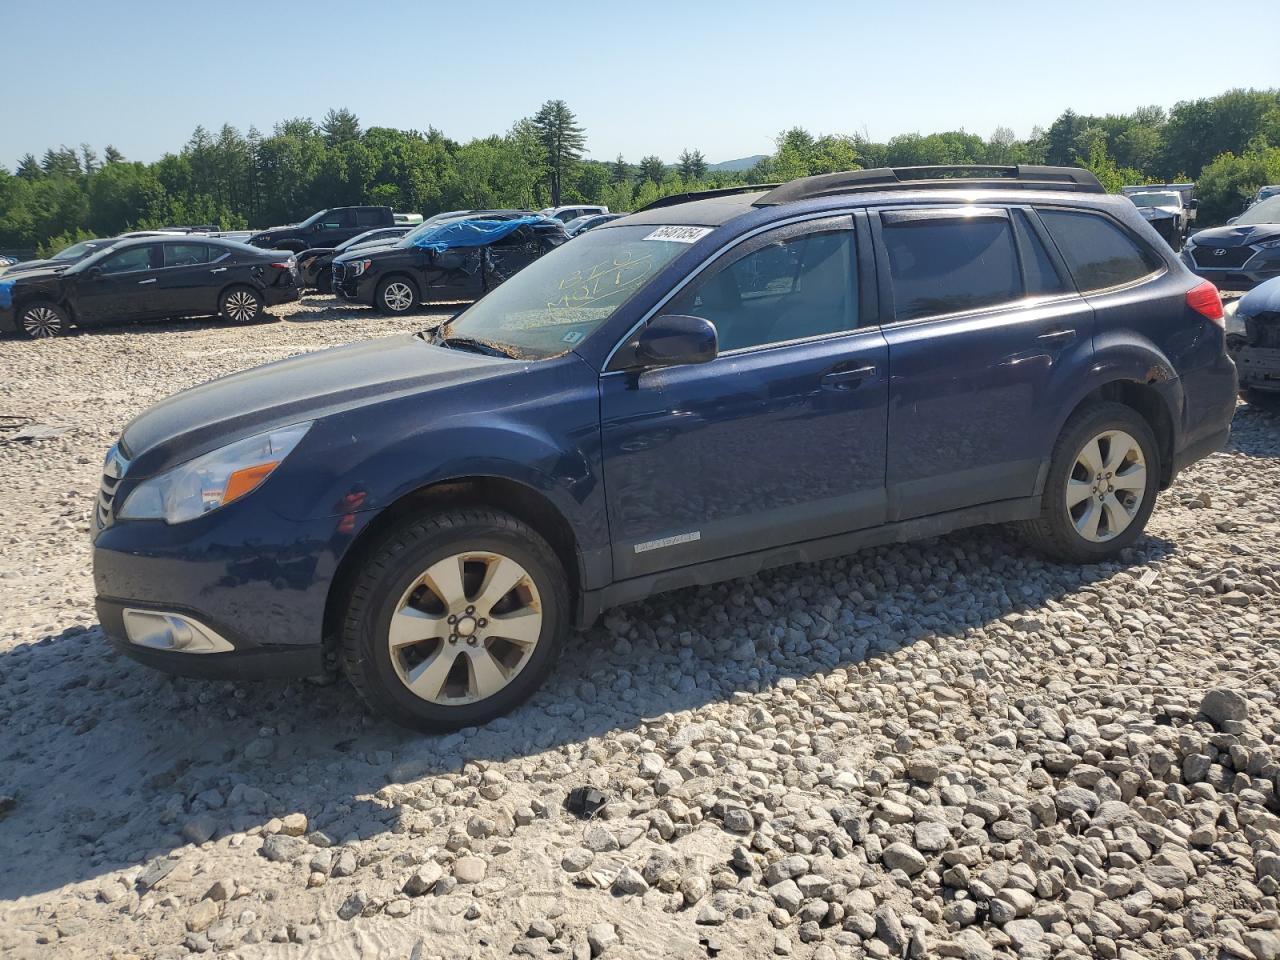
<point x="717" y="384"/>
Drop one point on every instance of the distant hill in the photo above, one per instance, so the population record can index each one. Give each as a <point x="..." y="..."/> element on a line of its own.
<point x="733" y="166"/>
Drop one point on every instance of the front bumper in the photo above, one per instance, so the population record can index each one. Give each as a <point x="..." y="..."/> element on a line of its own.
<point x="356" y="289"/>
<point x="259" y="581"/>
<point x="1259" y="367"/>
<point x="8" y="320"/>
<point x="1259" y="268"/>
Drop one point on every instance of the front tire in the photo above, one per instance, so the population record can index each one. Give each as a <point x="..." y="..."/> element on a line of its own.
<point x="1102" y="484"/>
<point x="396" y="295"/>
<point x="42" y="320"/>
<point x="454" y="619"/>
<point x="240" y="305"/>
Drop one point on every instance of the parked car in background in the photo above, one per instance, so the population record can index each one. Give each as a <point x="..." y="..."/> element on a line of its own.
<point x="1242" y="254"/>
<point x="1270" y="190"/>
<point x="149" y="278"/>
<point x="1253" y="340"/>
<point x="572" y="211"/>
<point x="1163" y="209"/>
<point x="326" y="228"/>
<point x="239" y="236"/>
<point x="458" y="259"/>
<point x="590" y="222"/>
<point x="408" y="219"/>
<point x="705" y="389"/>
<point x="315" y="267"/>
<point x="6" y="262"/>
<point x="64" y="258"/>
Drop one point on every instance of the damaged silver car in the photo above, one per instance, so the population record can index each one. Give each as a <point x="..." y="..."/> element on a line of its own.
<point x="1253" y="340"/>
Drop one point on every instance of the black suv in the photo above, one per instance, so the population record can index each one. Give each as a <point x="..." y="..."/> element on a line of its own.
<point x="327" y="228"/>
<point x="720" y="383"/>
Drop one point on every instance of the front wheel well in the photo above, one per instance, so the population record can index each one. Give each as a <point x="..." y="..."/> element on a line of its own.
<point x="521" y="501"/>
<point x="1146" y="400"/>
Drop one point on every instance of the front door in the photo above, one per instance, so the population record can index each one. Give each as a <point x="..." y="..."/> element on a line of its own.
<point x="119" y="287"/>
<point x="780" y="439"/>
<point x="983" y="332"/>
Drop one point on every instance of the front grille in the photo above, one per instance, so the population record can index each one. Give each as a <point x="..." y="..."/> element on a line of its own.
<point x="1263" y="330"/>
<point x="1207" y="257"/>
<point x="339" y="272"/>
<point x="113" y="470"/>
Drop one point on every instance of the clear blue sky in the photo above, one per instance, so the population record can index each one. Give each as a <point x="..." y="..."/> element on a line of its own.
<point x="650" y="77"/>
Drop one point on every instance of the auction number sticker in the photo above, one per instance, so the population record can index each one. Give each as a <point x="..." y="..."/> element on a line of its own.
<point x="679" y="234"/>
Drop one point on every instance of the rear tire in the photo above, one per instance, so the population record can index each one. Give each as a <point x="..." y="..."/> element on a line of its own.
<point x="1102" y="484"/>
<point x="240" y="305"/>
<point x="396" y="295"/>
<point x="454" y="619"/>
<point x="42" y="320"/>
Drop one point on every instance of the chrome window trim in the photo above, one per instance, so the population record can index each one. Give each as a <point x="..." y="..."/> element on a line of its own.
<point x="689" y="277"/>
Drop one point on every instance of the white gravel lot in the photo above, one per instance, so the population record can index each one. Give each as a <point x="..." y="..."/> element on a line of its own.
<point x="945" y="749"/>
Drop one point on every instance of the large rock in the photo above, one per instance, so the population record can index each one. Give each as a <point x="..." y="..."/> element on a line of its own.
<point x="1222" y="704"/>
<point x="904" y="857"/>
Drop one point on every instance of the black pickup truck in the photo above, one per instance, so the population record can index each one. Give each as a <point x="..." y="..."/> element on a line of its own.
<point x="326" y="228"/>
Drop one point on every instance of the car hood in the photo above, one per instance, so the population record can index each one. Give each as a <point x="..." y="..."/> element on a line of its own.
<point x="35" y="273"/>
<point x="1152" y="213"/>
<point x="26" y="266"/>
<point x="1237" y="235"/>
<point x="308" y="387"/>
<point x="1264" y="298"/>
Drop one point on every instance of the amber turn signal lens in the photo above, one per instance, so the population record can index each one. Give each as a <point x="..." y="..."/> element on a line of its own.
<point x="242" y="481"/>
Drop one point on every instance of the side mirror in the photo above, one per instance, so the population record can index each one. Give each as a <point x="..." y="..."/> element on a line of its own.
<point x="318" y="227"/>
<point x="675" y="340"/>
<point x="1232" y="220"/>
<point x="94" y="273"/>
<point x="1193" y="203"/>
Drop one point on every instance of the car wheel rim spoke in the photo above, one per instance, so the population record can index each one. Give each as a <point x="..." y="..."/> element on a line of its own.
<point x="241" y="306"/>
<point x="41" y="323"/>
<point x="398" y="296"/>
<point x="465" y="628"/>
<point x="1106" y="486"/>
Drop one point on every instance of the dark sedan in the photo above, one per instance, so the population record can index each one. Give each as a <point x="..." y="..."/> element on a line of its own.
<point x="590" y="222"/>
<point x="63" y="258"/>
<point x="449" y="260"/>
<point x="315" y="266"/>
<point x="149" y="278"/>
<point x="1242" y="254"/>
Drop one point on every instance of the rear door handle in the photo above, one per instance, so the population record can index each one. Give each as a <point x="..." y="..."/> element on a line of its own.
<point x="141" y="282"/>
<point x="845" y="378"/>
<point x="1057" y="336"/>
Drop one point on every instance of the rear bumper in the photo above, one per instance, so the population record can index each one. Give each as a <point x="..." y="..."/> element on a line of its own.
<point x="276" y="295"/>
<point x="1210" y="394"/>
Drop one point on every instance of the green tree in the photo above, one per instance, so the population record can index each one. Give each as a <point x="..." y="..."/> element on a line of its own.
<point x="693" y="165"/>
<point x="29" y="168"/>
<point x="653" y="170"/>
<point x="112" y="155"/>
<point x="619" y="172"/>
<point x="563" y="140"/>
<point x="339" y="126"/>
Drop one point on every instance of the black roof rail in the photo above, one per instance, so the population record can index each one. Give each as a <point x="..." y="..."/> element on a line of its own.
<point x="676" y="198"/>
<point x="982" y="176"/>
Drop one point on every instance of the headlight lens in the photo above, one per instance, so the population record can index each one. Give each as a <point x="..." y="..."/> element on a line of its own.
<point x="212" y="480"/>
<point x="1270" y="244"/>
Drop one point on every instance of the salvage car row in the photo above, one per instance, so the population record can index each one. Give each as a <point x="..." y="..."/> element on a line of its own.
<point x="379" y="258"/>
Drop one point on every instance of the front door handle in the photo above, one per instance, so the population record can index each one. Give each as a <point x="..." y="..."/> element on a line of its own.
<point x="846" y="378"/>
<point x="1057" y="336"/>
<point x="218" y="270"/>
<point x="141" y="282"/>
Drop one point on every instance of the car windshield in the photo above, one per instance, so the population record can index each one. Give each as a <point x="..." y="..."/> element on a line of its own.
<point x="1156" y="199"/>
<point x="76" y="250"/>
<point x="557" y="301"/>
<point x="1264" y="211"/>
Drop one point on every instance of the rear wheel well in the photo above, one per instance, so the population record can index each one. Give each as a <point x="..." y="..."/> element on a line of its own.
<point x="495" y="493"/>
<point x="1146" y="400"/>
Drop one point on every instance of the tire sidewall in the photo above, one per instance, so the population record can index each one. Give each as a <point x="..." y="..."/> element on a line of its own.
<point x="380" y="295"/>
<point x="226" y="295"/>
<point x="389" y="586"/>
<point x="1109" y="417"/>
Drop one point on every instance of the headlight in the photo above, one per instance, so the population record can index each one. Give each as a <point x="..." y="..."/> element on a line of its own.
<point x="212" y="480"/>
<point x="359" y="266"/>
<point x="1268" y="244"/>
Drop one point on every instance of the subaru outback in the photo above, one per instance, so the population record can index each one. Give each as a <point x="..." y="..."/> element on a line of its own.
<point x="720" y="383"/>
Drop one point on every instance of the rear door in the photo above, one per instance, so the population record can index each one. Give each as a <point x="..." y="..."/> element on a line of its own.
<point x="984" y="332"/>
<point x="186" y="284"/>
<point x="119" y="287"/>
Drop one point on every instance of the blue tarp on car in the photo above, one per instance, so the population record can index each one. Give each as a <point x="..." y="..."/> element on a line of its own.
<point x="6" y="293"/>
<point x="471" y="233"/>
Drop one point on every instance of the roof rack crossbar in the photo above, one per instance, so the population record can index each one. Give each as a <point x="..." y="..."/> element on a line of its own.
<point x="984" y="176"/>
<point x="677" y="198"/>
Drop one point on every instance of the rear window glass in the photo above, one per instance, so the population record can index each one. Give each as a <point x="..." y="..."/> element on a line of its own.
<point x="1039" y="275"/>
<point x="949" y="264"/>
<point x="1098" y="252"/>
<point x="368" y="218"/>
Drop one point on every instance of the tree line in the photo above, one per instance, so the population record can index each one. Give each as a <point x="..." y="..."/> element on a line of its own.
<point x="1229" y="144"/>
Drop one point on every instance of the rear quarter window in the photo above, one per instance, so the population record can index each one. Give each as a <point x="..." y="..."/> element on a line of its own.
<point x="1097" y="251"/>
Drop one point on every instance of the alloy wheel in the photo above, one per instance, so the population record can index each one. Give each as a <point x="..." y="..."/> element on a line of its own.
<point x="398" y="296"/>
<point x="41" y="322"/>
<point x="242" y="306"/>
<point x="465" y="628"/>
<point x="1107" y="485"/>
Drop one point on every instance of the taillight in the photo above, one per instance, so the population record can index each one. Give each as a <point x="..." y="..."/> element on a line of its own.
<point x="1204" y="300"/>
<point x="284" y="264"/>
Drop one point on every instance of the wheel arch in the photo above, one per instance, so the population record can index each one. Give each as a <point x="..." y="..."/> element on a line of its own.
<point x="522" y="501"/>
<point x="1148" y="400"/>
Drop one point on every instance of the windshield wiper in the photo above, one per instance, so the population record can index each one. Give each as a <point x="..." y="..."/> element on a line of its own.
<point x="475" y="345"/>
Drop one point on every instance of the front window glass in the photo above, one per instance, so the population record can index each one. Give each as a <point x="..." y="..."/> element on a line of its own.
<point x="1265" y="211"/>
<point x="135" y="258"/>
<point x="558" y="300"/>
<point x="790" y="289"/>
